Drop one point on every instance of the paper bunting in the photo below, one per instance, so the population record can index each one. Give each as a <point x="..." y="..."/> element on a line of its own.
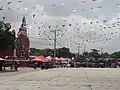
<point x="117" y="4"/>
<point x="1" y="8"/>
<point x="49" y="26"/>
<point x="39" y="28"/>
<point x="70" y="25"/>
<point x="33" y="15"/>
<point x="9" y="8"/>
<point x="54" y="5"/>
<point x="19" y="1"/>
<point x="3" y="18"/>
<point x="99" y="7"/>
<point x="71" y="30"/>
<point x="91" y="8"/>
<point x="74" y="10"/>
<point x="63" y="25"/>
<point x="104" y="27"/>
<point x="91" y="22"/>
<point x="111" y="32"/>
<point x="83" y="1"/>
<point x="105" y="21"/>
<point x="9" y="2"/>
<point x="84" y="10"/>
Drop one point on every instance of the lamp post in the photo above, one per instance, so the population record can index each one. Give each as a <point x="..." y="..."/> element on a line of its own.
<point x="78" y="49"/>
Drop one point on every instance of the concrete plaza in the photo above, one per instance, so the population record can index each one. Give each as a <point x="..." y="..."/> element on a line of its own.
<point x="62" y="79"/>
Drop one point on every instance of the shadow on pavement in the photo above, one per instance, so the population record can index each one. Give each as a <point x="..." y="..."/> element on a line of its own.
<point x="7" y="71"/>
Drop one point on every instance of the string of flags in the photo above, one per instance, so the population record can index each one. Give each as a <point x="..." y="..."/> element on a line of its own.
<point x="90" y="31"/>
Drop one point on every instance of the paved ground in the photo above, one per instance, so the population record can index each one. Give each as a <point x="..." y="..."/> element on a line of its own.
<point x="20" y="71"/>
<point x="63" y="79"/>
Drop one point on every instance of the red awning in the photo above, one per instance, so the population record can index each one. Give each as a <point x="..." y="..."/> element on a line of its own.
<point x="49" y="57"/>
<point x="1" y="59"/>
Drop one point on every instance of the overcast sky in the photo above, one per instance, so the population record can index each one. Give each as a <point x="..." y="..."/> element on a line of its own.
<point x="85" y="16"/>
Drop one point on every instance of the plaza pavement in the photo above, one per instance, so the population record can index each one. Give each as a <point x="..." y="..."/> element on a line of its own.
<point x="63" y="79"/>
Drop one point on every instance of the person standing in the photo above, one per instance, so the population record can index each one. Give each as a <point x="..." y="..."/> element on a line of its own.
<point x="35" y="65"/>
<point x="1" y="64"/>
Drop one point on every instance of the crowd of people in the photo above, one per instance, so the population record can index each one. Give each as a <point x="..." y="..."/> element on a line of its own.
<point x="12" y="64"/>
<point x="73" y="64"/>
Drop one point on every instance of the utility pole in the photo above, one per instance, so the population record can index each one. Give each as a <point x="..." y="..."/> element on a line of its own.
<point x="101" y="50"/>
<point x="78" y="49"/>
<point x="54" y="44"/>
<point x="84" y="52"/>
<point x="84" y="48"/>
<point x="55" y="39"/>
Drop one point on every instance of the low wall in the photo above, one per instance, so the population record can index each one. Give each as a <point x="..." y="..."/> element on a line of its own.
<point x="23" y="63"/>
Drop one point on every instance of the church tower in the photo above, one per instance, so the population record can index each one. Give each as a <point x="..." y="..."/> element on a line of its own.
<point x="22" y="41"/>
<point x="23" y="29"/>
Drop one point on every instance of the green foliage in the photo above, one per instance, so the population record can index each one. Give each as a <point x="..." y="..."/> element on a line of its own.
<point x="7" y="37"/>
<point x="115" y="55"/>
<point x="61" y="52"/>
<point x="44" y="52"/>
<point x="105" y="55"/>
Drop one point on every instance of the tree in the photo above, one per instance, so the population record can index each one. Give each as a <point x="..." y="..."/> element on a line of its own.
<point x="64" y="52"/>
<point x="61" y="52"/>
<point x="116" y="54"/>
<point x="105" y="55"/>
<point x="7" y="37"/>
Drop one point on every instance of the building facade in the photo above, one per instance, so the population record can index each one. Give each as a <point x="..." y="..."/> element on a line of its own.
<point x="23" y="44"/>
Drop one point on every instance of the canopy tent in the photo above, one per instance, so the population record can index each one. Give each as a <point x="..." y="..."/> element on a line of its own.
<point x="118" y="63"/>
<point x="41" y="59"/>
<point x="1" y="59"/>
<point x="62" y="60"/>
<point x="56" y="58"/>
<point x="49" y="58"/>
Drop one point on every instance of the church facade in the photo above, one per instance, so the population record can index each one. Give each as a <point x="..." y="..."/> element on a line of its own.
<point x="22" y="42"/>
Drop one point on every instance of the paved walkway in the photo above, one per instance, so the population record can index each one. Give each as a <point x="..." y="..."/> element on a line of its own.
<point x="13" y="73"/>
<point x="63" y="79"/>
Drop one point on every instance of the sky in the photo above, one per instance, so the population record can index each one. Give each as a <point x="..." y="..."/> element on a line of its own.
<point x="90" y="23"/>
